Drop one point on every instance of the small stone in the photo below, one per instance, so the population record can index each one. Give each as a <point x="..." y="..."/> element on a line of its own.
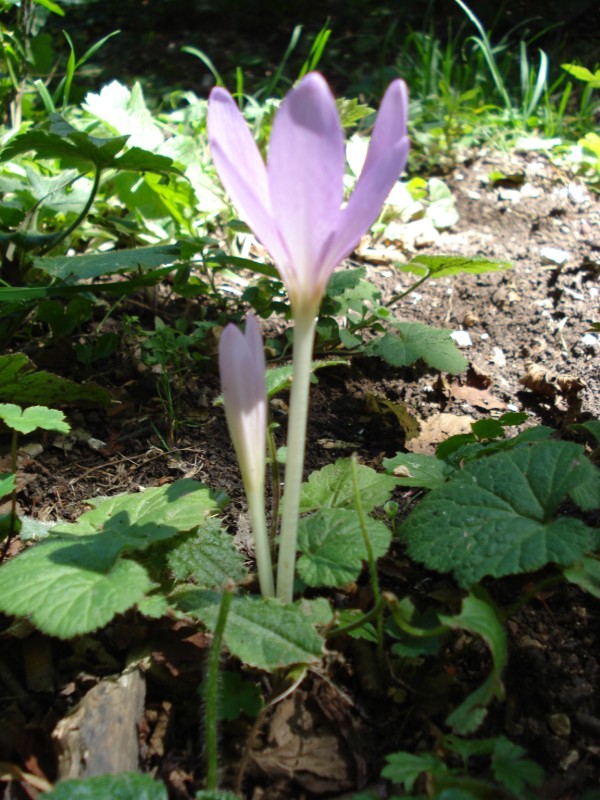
<point x="560" y="724"/>
<point x="589" y="340"/>
<point x="462" y="338"/>
<point x="577" y="193"/>
<point x="511" y="195"/>
<point x="554" y="256"/>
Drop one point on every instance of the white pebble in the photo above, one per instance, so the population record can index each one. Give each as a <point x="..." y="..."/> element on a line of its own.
<point x="462" y="338"/>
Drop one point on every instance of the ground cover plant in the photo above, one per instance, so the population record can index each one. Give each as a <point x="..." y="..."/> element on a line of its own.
<point x="429" y="630"/>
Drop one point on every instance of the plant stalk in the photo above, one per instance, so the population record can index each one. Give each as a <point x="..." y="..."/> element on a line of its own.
<point x="262" y="549"/>
<point x="304" y="333"/>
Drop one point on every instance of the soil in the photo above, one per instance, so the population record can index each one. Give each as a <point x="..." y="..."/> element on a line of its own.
<point x="529" y="350"/>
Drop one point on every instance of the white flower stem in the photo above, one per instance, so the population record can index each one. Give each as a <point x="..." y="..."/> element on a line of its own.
<point x="262" y="549"/>
<point x="304" y="333"/>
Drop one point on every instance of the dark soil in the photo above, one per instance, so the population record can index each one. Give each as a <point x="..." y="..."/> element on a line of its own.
<point x="528" y="352"/>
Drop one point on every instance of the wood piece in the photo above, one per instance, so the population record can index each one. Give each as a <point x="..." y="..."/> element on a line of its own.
<point x="101" y="735"/>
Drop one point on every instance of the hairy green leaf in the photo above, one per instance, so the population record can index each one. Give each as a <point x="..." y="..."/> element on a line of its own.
<point x="333" y="548"/>
<point x="263" y="633"/>
<point x="443" y="266"/>
<point x="86" y="267"/>
<point x="496" y="516"/>
<point x="417" y="469"/>
<point x="209" y="557"/>
<point x="332" y="487"/>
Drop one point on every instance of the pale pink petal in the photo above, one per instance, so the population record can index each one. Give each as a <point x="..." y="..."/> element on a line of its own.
<point x="241" y="168"/>
<point x="242" y="370"/>
<point x="306" y="171"/>
<point x="386" y="159"/>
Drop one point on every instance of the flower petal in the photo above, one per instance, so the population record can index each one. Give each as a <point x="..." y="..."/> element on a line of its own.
<point x="386" y="158"/>
<point x="242" y="369"/>
<point x="241" y="168"/>
<point x="305" y="173"/>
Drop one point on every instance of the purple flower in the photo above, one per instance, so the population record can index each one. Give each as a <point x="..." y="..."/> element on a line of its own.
<point x="242" y="368"/>
<point x="295" y="203"/>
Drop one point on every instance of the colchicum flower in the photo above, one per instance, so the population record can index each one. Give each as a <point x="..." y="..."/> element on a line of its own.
<point x="242" y="370"/>
<point x="294" y="204"/>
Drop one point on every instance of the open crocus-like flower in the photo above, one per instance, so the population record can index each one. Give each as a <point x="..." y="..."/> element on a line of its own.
<point x="242" y="369"/>
<point x="294" y="204"/>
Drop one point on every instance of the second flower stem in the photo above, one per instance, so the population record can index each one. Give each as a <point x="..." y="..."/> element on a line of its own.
<point x="262" y="548"/>
<point x="304" y="333"/>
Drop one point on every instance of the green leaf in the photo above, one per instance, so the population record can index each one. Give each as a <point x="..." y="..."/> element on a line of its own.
<point x="123" y="786"/>
<point x="7" y="484"/>
<point x="417" y="469"/>
<point x="86" y="267"/>
<point x="33" y="418"/>
<point x="583" y="74"/>
<point x="236" y="696"/>
<point x="63" y="594"/>
<point x="586" y="575"/>
<point x="495" y="517"/>
<point x="332" y="487"/>
<point x="75" y="580"/>
<point x="53" y="7"/>
<point x="333" y="548"/>
<point x="415" y="341"/>
<point x="592" y="427"/>
<point x="263" y="633"/>
<point x="444" y="266"/>
<point x="280" y="378"/>
<point x="405" y="768"/>
<point x="215" y="794"/>
<point x="19" y="383"/>
<point x="479" y="615"/>
<point x="126" y="112"/>
<point x="209" y="557"/>
<point x="512" y="770"/>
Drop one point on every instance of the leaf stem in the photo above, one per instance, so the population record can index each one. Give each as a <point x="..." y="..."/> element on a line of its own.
<point x="212" y="691"/>
<point x="304" y="333"/>
<point x="62" y="235"/>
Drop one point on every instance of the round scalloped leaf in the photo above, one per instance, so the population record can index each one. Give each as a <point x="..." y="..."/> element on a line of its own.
<point x="332" y="546"/>
<point x="496" y="516"/>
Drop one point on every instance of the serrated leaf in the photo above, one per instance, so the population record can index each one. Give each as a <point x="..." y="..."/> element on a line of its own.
<point x="20" y="383"/>
<point x="332" y="487"/>
<point x="332" y="546"/>
<point x="443" y="266"/>
<point x="64" y="597"/>
<point x="123" y="786"/>
<point x="90" y="266"/>
<point x="512" y="770"/>
<point x="495" y="517"/>
<point x="414" y="341"/>
<point x="280" y="378"/>
<point x="418" y="469"/>
<point x="125" y="110"/>
<point x="262" y="633"/>
<point x="405" y="768"/>
<point x="209" y="557"/>
<point x="74" y="581"/>
<point x="479" y="615"/>
<point x="33" y="418"/>
<point x="592" y="426"/>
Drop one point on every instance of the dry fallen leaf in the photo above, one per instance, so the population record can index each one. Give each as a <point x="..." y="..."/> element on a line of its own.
<point x="437" y="429"/>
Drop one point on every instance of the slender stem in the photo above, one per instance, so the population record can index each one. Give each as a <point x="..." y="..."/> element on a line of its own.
<point x="262" y="549"/>
<point x="275" y="480"/>
<point x="80" y="217"/>
<point x="370" y="558"/>
<point x="304" y="333"/>
<point x="212" y="692"/>
<point x="357" y="623"/>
